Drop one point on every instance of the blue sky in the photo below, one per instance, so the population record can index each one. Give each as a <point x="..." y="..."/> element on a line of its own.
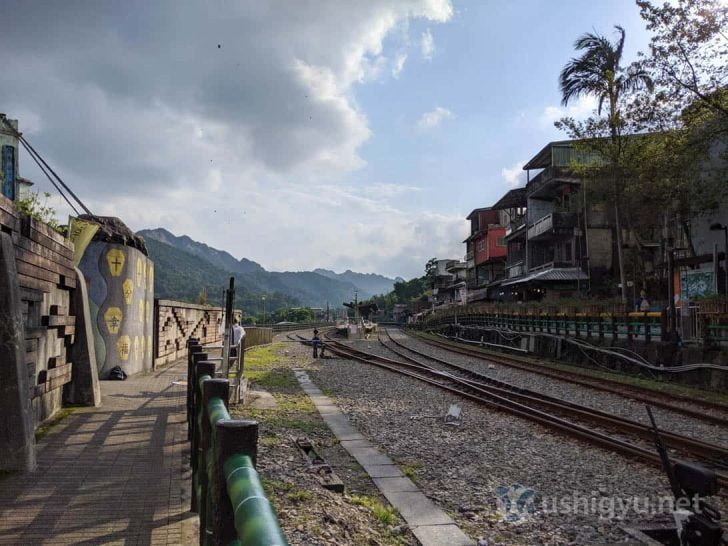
<point x="325" y="133"/>
<point x="495" y="68"/>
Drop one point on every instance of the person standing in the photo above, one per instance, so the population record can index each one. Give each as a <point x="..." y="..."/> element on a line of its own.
<point x="642" y="303"/>
<point x="238" y="337"/>
<point x="315" y="342"/>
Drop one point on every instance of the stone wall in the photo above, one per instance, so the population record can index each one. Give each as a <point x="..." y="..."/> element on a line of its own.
<point x="40" y="311"/>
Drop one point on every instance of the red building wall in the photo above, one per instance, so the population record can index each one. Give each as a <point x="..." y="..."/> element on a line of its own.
<point x="494" y="250"/>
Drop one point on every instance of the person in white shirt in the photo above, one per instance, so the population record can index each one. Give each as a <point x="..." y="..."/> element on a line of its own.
<point x="238" y="337"/>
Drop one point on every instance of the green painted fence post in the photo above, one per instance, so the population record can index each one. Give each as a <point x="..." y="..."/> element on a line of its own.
<point x="232" y="437"/>
<point x="191" y="350"/>
<point x="204" y="368"/>
<point x="196" y="357"/>
<point x="211" y="388"/>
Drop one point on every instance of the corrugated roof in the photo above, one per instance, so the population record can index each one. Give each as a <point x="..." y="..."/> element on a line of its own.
<point x="551" y="275"/>
<point x="513" y="199"/>
<point x="475" y="211"/>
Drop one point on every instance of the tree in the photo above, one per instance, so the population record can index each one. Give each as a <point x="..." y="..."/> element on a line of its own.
<point x="689" y="51"/>
<point x="599" y="72"/>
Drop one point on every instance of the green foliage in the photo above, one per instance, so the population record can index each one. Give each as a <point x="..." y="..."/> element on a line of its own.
<point x="299" y="314"/>
<point x="688" y="52"/>
<point x="384" y="514"/>
<point x="181" y="276"/>
<point x="41" y="211"/>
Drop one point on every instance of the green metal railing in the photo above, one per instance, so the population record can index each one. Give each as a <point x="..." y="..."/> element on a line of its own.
<point x="644" y="326"/>
<point x="226" y="489"/>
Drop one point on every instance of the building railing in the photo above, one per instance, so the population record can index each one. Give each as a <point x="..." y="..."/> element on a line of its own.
<point x="226" y="489"/>
<point x="550" y="265"/>
<point x="553" y="222"/>
<point x="515" y="270"/>
<point x="515" y="224"/>
<point x="545" y="176"/>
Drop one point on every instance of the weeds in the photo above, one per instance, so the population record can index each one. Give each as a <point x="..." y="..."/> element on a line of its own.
<point x="384" y="514"/>
<point x="43" y="430"/>
<point x="411" y="470"/>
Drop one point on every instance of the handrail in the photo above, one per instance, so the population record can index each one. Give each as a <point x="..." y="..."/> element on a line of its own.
<point x="226" y="489"/>
<point x="255" y="520"/>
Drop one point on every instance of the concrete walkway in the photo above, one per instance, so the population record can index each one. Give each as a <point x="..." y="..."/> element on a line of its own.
<point x="108" y="475"/>
<point x="431" y="525"/>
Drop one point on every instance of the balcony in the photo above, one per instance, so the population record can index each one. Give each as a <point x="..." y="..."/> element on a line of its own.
<point x="556" y="223"/>
<point x="515" y="270"/>
<point x="515" y="225"/>
<point x="542" y="184"/>
<point x="553" y="265"/>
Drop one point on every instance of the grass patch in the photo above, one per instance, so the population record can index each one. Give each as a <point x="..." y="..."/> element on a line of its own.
<point x="293" y="412"/>
<point x="384" y="514"/>
<point x="299" y="495"/>
<point x="270" y="441"/>
<point x="279" y="378"/>
<point x="43" y="430"/>
<point x="266" y="369"/>
<point x="276" y="486"/>
<point x="645" y="383"/>
<point x="411" y="470"/>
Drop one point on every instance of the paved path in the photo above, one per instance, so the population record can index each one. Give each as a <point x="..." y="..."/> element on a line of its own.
<point x="109" y="475"/>
<point x="428" y="523"/>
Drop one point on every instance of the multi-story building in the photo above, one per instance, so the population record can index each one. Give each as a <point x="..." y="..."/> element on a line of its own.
<point x="563" y="240"/>
<point x="448" y="282"/>
<point x="485" y="250"/>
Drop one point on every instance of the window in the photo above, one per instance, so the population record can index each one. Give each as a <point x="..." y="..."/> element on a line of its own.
<point x="500" y="241"/>
<point x="8" y="169"/>
<point x="481" y="244"/>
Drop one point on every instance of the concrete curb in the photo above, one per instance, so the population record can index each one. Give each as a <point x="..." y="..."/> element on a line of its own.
<point x="428" y="523"/>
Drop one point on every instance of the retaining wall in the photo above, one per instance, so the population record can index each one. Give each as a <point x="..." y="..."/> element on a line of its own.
<point x="40" y="312"/>
<point x="175" y="322"/>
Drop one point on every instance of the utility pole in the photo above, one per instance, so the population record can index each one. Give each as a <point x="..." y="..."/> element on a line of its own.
<point x="717" y="227"/>
<point x="356" y="307"/>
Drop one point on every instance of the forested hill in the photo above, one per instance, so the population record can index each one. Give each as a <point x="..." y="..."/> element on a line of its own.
<point x="184" y="266"/>
<point x="370" y="283"/>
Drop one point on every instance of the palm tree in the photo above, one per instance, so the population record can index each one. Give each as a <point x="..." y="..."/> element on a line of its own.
<point x="599" y="72"/>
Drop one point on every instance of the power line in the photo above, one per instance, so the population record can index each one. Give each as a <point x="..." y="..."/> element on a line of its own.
<point x="40" y="166"/>
<point x="39" y="159"/>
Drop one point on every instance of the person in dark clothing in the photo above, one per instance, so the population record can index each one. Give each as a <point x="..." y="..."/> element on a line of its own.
<point x="316" y="342"/>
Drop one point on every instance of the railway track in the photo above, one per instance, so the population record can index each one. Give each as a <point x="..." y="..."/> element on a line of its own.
<point x="647" y="396"/>
<point x="547" y="411"/>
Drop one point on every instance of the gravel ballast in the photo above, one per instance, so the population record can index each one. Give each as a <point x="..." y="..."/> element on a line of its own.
<point x="582" y="493"/>
<point x="579" y="394"/>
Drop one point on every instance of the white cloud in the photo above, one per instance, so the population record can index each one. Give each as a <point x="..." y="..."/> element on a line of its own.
<point x="257" y="134"/>
<point x="398" y="63"/>
<point x="433" y="118"/>
<point x="427" y="45"/>
<point x="515" y="176"/>
<point x="579" y="109"/>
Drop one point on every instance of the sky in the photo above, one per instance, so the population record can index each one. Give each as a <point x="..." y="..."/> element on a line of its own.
<point x="299" y="134"/>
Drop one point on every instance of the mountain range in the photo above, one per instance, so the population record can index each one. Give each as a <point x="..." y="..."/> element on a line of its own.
<point x="184" y="266"/>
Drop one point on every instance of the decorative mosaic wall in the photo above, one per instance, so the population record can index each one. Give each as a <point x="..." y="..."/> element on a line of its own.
<point x="121" y="296"/>
<point x="178" y="321"/>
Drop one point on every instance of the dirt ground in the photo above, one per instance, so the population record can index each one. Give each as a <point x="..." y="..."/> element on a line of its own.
<point x="310" y="514"/>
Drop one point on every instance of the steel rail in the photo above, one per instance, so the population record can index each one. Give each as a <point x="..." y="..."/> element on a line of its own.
<point x="716" y="455"/>
<point x="606" y="385"/>
<point x="467" y="389"/>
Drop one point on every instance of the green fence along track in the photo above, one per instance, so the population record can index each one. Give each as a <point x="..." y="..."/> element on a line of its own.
<point x="226" y="489"/>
